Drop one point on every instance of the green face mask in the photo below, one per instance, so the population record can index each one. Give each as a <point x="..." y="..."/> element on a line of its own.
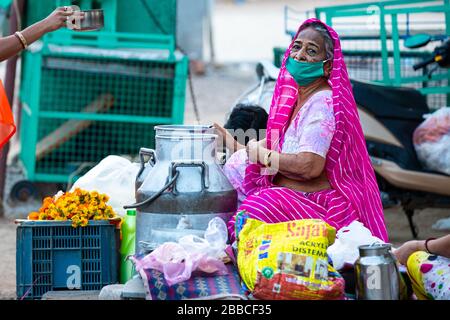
<point x="304" y="72"/>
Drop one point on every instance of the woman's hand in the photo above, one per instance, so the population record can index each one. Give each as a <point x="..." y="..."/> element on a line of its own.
<point x="252" y="151"/>
<point x="408" y="248"/>
<point x="256" y="151"/>
<point x="227" y="139"/>
<point x="262" y="143"/>
<point x="58" y="18"/>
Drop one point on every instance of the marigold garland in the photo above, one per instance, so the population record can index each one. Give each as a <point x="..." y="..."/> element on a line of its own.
<point x="80" y="206"/>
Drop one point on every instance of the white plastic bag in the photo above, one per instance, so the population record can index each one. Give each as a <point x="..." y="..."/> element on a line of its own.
<point x="177" y="261"/>
<point x="432" y="141"/>
<point x="114" y="176"/>
<point x="217" y="236"/>
<point x="442" y="224"/>
<point x="348" y="239"/>
<point x="212" y="245"/>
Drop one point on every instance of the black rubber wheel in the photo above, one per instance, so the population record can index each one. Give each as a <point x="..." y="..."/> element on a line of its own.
<point x="23" y="191"/>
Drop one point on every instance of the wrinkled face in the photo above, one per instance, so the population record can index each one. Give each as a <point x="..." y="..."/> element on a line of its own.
<point x="310" y="47"/>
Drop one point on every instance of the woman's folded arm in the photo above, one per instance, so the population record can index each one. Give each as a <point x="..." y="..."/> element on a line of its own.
<point x="302" y="166"/>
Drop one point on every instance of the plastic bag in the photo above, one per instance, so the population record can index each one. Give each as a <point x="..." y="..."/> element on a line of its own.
<point x="432" y="141"/>
<point x="217" y="236"/>
<point x="114" y="176"/>
<point x="288" y="260"/>
<point x="441" y="224"/>
<point x="348" y="239"/>
<point x="177" y="261"/>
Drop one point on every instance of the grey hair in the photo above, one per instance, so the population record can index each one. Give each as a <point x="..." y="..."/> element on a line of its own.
<point x="329" y="46"/>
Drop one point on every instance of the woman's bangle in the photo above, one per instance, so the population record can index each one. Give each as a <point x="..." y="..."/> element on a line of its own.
<point x="267" y="161"/>
<point x="22" y="39"/>
<point x="426" y="245"/>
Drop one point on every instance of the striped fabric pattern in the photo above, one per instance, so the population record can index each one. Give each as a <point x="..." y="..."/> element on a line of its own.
<point x="354" y="194"/>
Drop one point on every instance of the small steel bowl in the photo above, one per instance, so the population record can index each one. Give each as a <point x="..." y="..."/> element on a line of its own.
<point x="93" y="20"/>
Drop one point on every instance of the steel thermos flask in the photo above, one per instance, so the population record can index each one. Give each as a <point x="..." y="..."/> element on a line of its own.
<point x="377" y="274"/>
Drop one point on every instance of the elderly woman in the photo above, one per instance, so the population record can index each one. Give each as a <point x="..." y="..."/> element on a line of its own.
<point x="313" y="163"/>
<point x="12" y="45"/>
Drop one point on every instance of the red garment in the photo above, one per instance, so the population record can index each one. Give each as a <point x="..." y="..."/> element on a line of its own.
<point x="7" y="125"/>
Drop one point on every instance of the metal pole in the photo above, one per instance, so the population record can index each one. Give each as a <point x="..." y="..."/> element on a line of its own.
<point x="447" y="32"/>
<point x="384" y="49"/>
<point x="211" y="32"/>
<point x="9" y="88"/>
<point x="396" y="48"/>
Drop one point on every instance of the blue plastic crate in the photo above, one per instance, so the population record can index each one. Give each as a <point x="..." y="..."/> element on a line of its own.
<point x="53" y="255"/>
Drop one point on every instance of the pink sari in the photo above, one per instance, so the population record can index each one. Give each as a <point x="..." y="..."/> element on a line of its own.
<point x="354" y="194"/>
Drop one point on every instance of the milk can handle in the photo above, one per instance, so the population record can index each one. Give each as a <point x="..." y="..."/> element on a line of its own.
<point x="152" y="159"/>
<point x="169" y="184"/>
<point x="394" y="258"/>
<point x="193" y="163"/>
<point x="397" y="270"/>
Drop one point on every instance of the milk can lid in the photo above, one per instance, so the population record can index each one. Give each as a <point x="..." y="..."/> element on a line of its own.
<point x="374" y="249"/>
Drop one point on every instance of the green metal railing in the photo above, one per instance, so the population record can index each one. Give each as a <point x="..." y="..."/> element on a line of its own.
<point x="372" y="36"/>
<point x="87" y="95"/>
<point x="384" y="20"/>
<point x="129" y="16"/>
<point x="80" y="108"/>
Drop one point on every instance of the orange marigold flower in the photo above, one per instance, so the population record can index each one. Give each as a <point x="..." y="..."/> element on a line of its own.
<point x="94" y="194"/>
<point x="33" y="216"/>
<point x="79" y="206"/>
<point x="84" y="222"/>
<point x="43" y="216"/>
<point x="47" y="200"/>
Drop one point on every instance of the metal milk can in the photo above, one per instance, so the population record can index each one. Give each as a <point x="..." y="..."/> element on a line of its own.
<point x="377" y="274"/>
<point x="182" y="191"/>
<point x="147" y="156"/>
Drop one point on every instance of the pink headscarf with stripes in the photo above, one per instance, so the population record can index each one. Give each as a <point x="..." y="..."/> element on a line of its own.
<point x="347" y="165"/>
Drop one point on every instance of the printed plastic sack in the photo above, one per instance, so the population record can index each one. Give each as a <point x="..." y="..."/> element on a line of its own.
<point x="345" y="250"/>
<point x="114" y="176"/>
<point x="287" y="261"/>
<point x="432" y="141"/>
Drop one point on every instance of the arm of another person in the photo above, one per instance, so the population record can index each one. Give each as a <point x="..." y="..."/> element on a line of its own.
<point x="11" y="45"/>
<point x="440" y="247"/>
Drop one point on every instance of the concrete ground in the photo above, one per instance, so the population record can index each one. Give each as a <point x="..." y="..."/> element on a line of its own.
<point x="243" y="33"/>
